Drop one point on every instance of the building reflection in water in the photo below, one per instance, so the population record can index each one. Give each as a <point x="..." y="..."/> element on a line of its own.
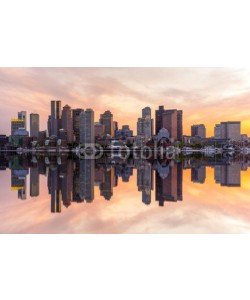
<point x="73" y="180"/>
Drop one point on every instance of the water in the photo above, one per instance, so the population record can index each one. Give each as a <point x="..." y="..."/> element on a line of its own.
<point x="71" y="195"/>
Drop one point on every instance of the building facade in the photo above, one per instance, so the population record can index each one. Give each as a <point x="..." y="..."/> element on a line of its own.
<point x="198" y="131"/>
<point x="106" y="119"/>
<point x="87" y="134"/>
<point x="170" y="119"/>
<point x="34" y="125"/>
<point x="67" y="123"/>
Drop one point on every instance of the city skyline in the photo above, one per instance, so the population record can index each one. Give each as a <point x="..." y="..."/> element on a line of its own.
<point x="196" y="91"/>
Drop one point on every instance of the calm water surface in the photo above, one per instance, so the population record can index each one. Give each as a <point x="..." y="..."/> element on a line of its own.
<point x="69" y="195"/>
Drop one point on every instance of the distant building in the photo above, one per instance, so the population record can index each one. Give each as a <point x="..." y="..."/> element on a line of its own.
<point x="42" y="135"/>
<point x="115" y="125"/>
<point x="198" y="131"/>
<point x="54" y="122"/>
<point x="16" y="124"/>
<point x="145" y="124"/>
<point x="217" y="131"/>
<point x="3" y="140"/>
<point x="99" y="130"/>
<point x="228" y="130"/>
<point x="17" y="137"/>
<point x="76" y="123"/>
<point x="170" y="119"/>
<point x="124" y="133"/>
<point x="22" y="115"/>
<point x="34" y="125"/>
<point x="146" y="112"/>
<point x="231" y="130"/>
<point x="87" y="135"/>
<point x="67" y="123"/>
<point x="106" y="119"/>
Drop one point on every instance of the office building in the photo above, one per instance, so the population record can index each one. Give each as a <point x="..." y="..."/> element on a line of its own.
<point x="16" y="124"/>
<point x="67" y="123"/>
<point x="22" y="115"/>
<point x="34" y="125"/>
<point x="124" y="133"/>
<point x="87" y="134"/>
<point x="99" y="130"/>
<point x="231" y="130"/>
<point x="217" y="131"/>
<point x="76" y="123"/>
<point x="54" y="122"/>
<point x="198" y="131"/>
<point x="145" y="124"/>
<point x="170" y="119"/>
<point x="106" y="119"/>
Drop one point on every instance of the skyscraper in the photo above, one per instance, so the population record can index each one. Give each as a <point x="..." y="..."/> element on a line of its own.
<point x="145" y="124"/>
<point x="16" y="124"/>
<point x="146" y="111"/>
<point x="217" y="131"/>
<point x="231" y="130"/>
<point x="198" y="131"/>
<point x="107" y="120"/>
<point x="34" y="125"/>
<point x="67" y="123"/>
<point x="87" y="134"/>
<point x="22" y="115"/>
<point x="55" y="117"/>
<point x="170" y="119"/>
<point x="76" y="123"/>
<point x="99" y="130"/>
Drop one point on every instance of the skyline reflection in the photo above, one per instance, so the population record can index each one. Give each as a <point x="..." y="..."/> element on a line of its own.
<point x="70" y="181"/>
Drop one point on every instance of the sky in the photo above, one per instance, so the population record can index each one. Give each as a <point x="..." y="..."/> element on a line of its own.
<point x="206" y="95"/>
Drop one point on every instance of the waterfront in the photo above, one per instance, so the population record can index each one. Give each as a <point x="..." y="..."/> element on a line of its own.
<point x="59" y="194"/>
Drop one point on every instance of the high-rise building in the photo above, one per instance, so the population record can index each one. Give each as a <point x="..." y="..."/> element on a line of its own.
<point x="106" y="119"/>
<point x="22" y="115"/>
<point x="124" y="133"/>
<point x="67" y="123"/>
<point x="228" y="130"/>
<point x="87" y="135"/>
<point x="99" y="130"/>
<point x="34" y="125"/>
<point x="55" y="117"/>
<point x="115" y="125"/>
<point x="146" y="111"/>
<point x="16" y="124"/>
<point x="217" y="131"/>
<point x="198" y="131"/>
<point x="145" y="124"/>
<point x="170" y="119"/>
<point x="76" y="123"/>
<point x="231" y="130"/>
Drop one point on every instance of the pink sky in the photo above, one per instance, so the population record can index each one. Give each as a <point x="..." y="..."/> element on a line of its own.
<point x="206" y="95"/>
